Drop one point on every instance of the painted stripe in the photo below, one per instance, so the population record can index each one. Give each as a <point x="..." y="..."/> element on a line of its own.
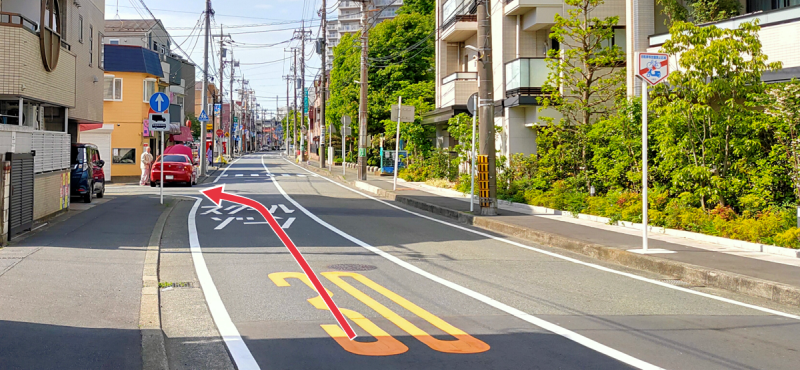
<point x="254" y="174"/>
<point x="239" y="175"/>
<point x="573" y="260"/>
<point x="238" y="349"/>
<point x="226" y="170"/>
<point x="580" y="339"/>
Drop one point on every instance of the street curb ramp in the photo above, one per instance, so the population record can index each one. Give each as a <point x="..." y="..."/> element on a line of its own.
<point x="686" y="272"/>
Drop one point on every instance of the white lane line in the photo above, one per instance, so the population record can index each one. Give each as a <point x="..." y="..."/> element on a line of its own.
<point x="285" y="174"/>
<point x="238" y="349"/>
<point x="239" y="175"/>
<point x="226" y="170"/>
<point x="254" y="174"/>
<point x="573" y="260"/>
<point x="546" y="325"/>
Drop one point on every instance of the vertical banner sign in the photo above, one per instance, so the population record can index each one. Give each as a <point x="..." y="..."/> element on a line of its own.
<point x="652" y="68"/>
<point x="305" y="100"/>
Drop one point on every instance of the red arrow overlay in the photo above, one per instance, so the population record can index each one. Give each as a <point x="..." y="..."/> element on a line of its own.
<point x="218" y="194"/>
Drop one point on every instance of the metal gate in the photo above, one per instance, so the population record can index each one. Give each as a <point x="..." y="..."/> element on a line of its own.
<point x="20" y="210"/>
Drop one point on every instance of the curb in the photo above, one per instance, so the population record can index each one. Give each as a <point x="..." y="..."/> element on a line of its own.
<point x="154" y="353"/>
<point x="689" y="273"/>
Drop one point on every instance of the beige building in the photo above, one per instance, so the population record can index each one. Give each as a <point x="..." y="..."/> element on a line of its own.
<point x="348" y="20"/>
<point x="520" y="43"/>
<point x="51" y="87"/>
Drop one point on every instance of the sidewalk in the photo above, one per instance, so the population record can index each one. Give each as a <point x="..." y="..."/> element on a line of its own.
<point x="696" y="263"/>
<point x="72" y="291"/>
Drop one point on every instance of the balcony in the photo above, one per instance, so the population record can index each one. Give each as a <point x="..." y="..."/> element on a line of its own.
<point x="349" y="5"/>
<point x="25" y="74"/>
<point x="539" y="14"/>
<point x="457" y="87"/>
<point x="526" y="76"/>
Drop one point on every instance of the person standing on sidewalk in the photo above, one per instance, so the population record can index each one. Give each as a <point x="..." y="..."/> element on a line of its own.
<point x="210" y="155"/>
<point x="145" y="162"/>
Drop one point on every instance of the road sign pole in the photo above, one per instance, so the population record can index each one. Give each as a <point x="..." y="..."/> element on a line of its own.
<point x="397" y="142"/>
<point x="644" y="165"/>
<point x="344" y="172"/>
<point x="162" y="168"/>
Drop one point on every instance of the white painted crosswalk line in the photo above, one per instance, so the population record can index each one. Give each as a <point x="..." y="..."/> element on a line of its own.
<point x="285" y="174"/>
<point x="254" y="174"/>
<point x="301" y="175"/>
<point x="239" y="175"/>
<point x="225" y="175"/>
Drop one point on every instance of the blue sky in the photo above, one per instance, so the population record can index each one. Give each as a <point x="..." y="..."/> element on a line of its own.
<point x="254" y="25"/>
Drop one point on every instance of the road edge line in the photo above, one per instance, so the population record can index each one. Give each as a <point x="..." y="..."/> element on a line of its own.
<point x="602" y="254"/>
<point x="240" y="354"/>
<point x="154" y="350"/>
<point x="544" y="324"/>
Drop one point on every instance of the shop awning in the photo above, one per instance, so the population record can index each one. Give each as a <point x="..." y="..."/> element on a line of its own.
<point x="89" y="126"/>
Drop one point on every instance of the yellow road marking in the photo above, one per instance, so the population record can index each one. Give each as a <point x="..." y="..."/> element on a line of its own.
<point x="464" y="342"/>
<point x="384" y="344"/>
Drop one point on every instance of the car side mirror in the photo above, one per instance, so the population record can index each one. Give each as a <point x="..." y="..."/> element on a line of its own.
<point x="101" y="163"/>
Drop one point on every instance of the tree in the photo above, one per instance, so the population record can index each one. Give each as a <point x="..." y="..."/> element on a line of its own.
<point x="425" y="7"/>
<point x="709" y="124"/>
<point x="195" y="126"/>
<point x="784" y="109"/>
<point x="698" y="11"/>
<point x="586" y="77"/>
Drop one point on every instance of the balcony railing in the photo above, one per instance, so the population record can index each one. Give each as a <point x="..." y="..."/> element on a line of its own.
<point x="460" y="76"/>
<point x="18" y="20"/>
<point x="526" y="76"/>
<point x="452" y="9"/>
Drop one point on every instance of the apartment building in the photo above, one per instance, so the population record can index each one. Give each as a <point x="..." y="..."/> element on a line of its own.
<point x="50" y="89"/>
<point x="520" y="43"/>
<point x="348" y="20"/>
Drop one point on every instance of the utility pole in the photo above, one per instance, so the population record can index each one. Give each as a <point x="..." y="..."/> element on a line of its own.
<point x="486" y="104"/>
<point x="362" y="106"/>
<point x="323" y="84"/>
<point x="231" y="142"/>
<point x="294" y="103"/>
<point x="286" y="128"/>
<point x="204" y="105"/>
<point x="301" y="34"/>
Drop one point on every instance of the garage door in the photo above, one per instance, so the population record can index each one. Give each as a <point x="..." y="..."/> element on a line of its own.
<point x="103" y="142"/>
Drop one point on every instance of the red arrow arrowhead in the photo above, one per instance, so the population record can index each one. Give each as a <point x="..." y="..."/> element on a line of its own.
<point x="214" y="194"/>
<point x="218" y="194"/>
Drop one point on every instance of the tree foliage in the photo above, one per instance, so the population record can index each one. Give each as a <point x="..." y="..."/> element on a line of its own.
<point x="710" y="127"/>
<point x="585" y="79"/>
<point x="699" y="11"/>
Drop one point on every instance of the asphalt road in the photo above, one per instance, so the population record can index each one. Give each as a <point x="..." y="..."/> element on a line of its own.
<point x="425" y="293"/>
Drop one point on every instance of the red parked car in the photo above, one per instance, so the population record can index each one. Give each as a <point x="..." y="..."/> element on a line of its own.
<point x="178" y="168"/>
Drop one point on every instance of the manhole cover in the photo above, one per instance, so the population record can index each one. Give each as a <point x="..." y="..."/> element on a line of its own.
<point x="351" y="267"/>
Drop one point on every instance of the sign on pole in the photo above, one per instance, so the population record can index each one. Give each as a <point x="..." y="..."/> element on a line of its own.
<point x="653" y="68"/>
<point x="159" y="102"/>
<point x="472" y="104"/>
<point x="404" y="113"/>
<point x="217" y="109"/>
<point x="158" y="121"/>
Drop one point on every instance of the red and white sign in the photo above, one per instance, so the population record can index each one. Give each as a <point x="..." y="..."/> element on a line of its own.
<point x="220" y="133"/>
<point x="653" y="67"/>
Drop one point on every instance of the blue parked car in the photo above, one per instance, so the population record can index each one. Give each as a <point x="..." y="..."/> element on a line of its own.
<point x="88" y="178"/>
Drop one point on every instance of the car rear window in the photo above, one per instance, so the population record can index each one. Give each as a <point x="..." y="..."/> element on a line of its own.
<point x="78" y="155"/>
<point x="175" y="158"/>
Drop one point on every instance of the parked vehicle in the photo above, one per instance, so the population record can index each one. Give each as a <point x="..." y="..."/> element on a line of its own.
<point x="178" y="168"/>
<point x="88" y="178"/>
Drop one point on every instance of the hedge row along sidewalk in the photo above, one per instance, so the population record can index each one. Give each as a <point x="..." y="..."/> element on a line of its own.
<point x="776" y="278"/>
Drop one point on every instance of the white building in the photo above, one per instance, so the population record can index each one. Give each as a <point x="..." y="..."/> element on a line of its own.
<point x="348" y="20"/>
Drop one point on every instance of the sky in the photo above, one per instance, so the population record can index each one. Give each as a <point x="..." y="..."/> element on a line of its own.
<point x="261" y="31"/>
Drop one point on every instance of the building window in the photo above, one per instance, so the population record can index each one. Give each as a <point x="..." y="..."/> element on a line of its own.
<point x="52" y="16"/>
<point x="155" y="45"/>
<point x="91" y="45"/>
<point x="112" y="88"/>
<point x="80" y="29"/>
<point x="101" y="52"/>
<point x="123" y="156"/>
<point x="149" y="89"/>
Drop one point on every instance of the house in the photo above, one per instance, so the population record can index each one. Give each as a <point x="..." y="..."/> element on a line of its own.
<point x="51" y="89"/>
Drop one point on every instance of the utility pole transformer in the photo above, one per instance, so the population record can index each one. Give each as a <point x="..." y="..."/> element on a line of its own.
<point x="486" y="104"/>
<point x="362" y="106"/>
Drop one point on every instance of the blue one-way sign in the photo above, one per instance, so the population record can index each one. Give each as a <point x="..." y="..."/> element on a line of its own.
<point x="159" y="102"/>
<point x="203" y="116"/>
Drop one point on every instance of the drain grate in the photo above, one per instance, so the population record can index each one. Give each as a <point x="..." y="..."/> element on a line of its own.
<point x="679" y="283"/>
<point x="352" y="267"/>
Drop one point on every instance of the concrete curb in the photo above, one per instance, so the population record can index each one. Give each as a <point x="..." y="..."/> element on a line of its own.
<point x="689" y="273"/>
<point x="154" y="353"/>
